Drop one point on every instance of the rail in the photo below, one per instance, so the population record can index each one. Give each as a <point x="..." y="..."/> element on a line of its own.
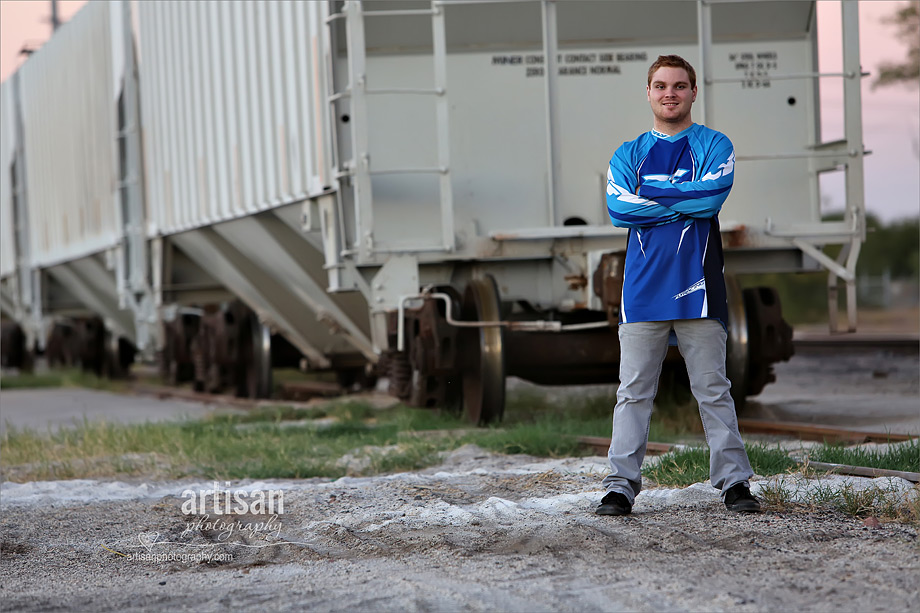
<point x="900" y="343"/>
<point x="601" y="444"/>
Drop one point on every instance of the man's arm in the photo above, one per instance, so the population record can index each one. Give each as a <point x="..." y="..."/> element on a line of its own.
<point x="702" y="198"/>
<point x="626" y="209"/>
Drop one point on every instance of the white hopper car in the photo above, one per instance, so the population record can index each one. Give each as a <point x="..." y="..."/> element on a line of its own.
<point x="409" y="189"/>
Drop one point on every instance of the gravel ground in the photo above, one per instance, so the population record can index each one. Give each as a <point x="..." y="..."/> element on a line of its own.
<point x="863" y="390"/>
<point x="479" y="532"/>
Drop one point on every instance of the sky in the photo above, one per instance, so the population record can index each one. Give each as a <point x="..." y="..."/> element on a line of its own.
<point x="891" y="115"/>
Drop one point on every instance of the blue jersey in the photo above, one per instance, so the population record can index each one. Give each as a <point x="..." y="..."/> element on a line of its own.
<point x="668" y="191"/>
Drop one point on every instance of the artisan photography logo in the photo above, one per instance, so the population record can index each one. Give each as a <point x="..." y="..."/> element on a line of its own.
<point x="221" y="500"/>
<point x="148" y="540"/>
<point x="225" y="512"/>
<point x="222" y="516"/>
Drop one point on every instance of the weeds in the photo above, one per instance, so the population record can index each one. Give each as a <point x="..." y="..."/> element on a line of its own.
<point x="680" y="468"/>
<point x="766" y="460"/>
<point x="349" y="437"/>
<point x="691" y="464"/>
<point x="61" y="378"/>
<point x="777" y="495"/>
<point x="804" y="489"/>
<point x="903" y="456"/>
<point x="889" y="501"/>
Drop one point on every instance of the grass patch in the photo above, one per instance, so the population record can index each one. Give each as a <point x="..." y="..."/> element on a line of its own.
<point x="674" y="416"/>
<point x="283" y="441"/>
<point x="903" y="457"/>
<point x="60" y="378"/>
<point x="263" y="444"/>
<point x="543" y="425"/>
<point x="30" y="380"/>
<point x="680" y="468"/>
<point x="767" y="460"/>
<point x="684" y="467"/>
<point x="886" y="502"/>
<point x="355" y="438"/>
<point x="281" y="376"/>
<point x="805" y="490"/>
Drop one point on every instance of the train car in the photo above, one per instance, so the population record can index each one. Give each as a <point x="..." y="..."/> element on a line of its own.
<point x="236" y="140"/>
<point x="65" y="230"/>
<point x="489" y="125"/>
<point x="414" y="189"/>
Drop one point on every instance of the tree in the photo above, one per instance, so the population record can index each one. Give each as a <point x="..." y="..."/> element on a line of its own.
<point x="907" y="21"/>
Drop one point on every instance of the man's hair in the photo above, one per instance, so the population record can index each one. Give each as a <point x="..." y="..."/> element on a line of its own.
<point x="673" y="61"/>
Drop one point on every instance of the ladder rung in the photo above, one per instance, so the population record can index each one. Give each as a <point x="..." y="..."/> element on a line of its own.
<point x="796" y="155"/>
<point x="403" y="171"/>
<point x="406" y="90"/>
<point x="400" y="13"/>
<point x="339" y="95"/>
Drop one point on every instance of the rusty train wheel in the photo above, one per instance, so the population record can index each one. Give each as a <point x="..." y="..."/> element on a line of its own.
<point x="758" y="337"/>
<point x="738" y="350"/>
<point x="484" y="371"/>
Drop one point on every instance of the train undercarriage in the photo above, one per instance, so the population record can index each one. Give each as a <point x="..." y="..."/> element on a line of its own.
<point x="457" y="349"/>
<point x="463" y="362"/>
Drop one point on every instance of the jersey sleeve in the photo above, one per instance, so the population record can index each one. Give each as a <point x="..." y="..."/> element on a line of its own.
<point x="625" y="207"/>
<point x="702" y="198"/>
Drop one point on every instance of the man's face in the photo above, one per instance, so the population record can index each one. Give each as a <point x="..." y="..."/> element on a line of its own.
<point x="670" y="95"/>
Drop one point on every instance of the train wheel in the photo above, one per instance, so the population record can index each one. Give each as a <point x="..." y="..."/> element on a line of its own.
<point x="433" y="356"/>
<point x="167" y="358"/>
<point x="118" y="355"/>
<point x="758" y="338"/>
<point x="256" y="360"/>
<point x="770" y="336"/>
<point x="484" y="360"/>
<point x="14" y="352"/>
<point x="738" y="352"/>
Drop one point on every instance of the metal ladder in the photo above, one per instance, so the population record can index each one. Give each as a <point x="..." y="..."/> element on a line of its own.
<point x="360" y="167"/>
<point x="822" y="157"/>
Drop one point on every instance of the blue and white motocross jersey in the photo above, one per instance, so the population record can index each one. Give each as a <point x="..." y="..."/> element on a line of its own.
<point x="668" y="191"/>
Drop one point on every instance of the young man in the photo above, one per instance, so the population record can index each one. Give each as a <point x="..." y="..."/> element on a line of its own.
<point x="667" y="187"/>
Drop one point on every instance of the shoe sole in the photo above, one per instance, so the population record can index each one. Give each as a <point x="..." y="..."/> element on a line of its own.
<point x="616" y="512"/>
<point x="745" y="507"/>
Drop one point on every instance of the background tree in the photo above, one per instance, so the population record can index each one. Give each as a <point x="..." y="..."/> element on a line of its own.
<point x="907" y="21"/>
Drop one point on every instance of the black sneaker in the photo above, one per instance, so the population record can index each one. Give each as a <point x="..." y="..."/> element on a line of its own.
<point x="614" y="503"/>
<point x="739" y="499"/>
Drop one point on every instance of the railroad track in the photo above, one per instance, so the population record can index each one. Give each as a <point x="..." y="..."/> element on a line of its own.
<point x="802" y="431"/>
<point x="290" y="393"/>
<point x="813" y="342"/>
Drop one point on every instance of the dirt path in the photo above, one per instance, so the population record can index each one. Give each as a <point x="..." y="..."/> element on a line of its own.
<point x="480" y="532"/>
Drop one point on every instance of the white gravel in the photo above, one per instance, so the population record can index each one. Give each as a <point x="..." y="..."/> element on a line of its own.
<point x="479" y="532"/>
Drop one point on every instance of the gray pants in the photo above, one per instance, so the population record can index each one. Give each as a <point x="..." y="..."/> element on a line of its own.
<point x="643" y="346"/>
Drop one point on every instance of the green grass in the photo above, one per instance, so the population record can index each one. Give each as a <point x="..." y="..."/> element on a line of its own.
<point x="903" y="457"/>
<point x="691" y="465"/>
<point x="283" y="442"/>
<point x="224" y="447"/>
<point x="684" y="467"/>
<point x="60" y="378"/>
<point x="885" y="502"/>
<point x="280" y="376"/>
